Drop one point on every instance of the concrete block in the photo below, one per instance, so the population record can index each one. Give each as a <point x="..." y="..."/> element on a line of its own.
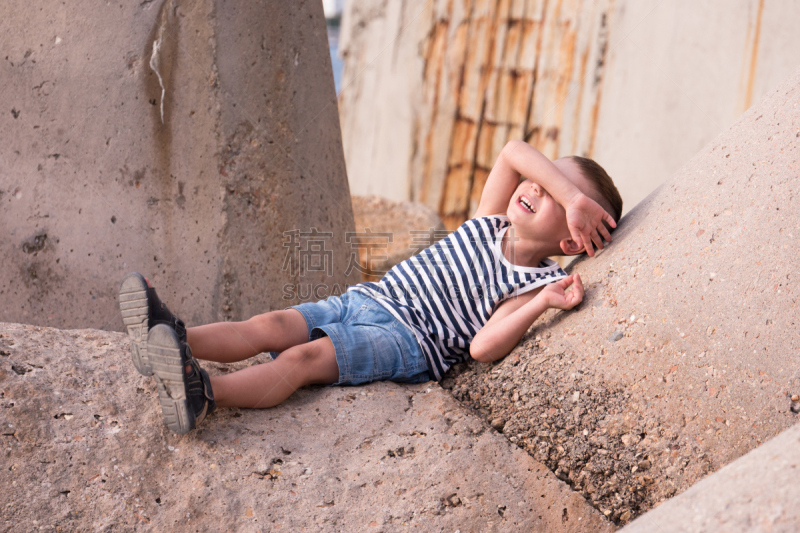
<point x="757" y="492"/>
<point x="177" y="139"/>
<point x="85" y="448"/>
<point x="390" y="232"/>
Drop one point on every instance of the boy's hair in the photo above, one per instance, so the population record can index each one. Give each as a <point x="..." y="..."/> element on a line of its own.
<point x="602" y="183"/>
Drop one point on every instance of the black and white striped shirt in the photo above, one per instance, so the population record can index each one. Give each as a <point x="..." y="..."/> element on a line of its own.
<point x="447" y="292"/>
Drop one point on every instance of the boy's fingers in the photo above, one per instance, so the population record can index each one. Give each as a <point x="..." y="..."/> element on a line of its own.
<point x="587" y="244"/>
<point x="611" y="222"/>
<point x="566" y="282"/>
<point x="578" y="288"/>
<point x="597" y="240"/>
<point x="604" y="232"/>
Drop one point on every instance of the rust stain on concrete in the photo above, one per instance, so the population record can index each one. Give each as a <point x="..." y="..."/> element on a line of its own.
<point x="577" y="116"/>
<point x="434" y="57"/>
<point x="510" y="67"/>
<point x="600" y="66"/>
<point x="751" y="74"/>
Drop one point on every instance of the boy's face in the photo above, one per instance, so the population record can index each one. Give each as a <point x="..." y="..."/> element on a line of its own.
<point x="537" y="215"/>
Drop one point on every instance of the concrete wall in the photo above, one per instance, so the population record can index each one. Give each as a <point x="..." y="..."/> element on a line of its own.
<point x="432" y="91"/>
<point x="187" y="165"/>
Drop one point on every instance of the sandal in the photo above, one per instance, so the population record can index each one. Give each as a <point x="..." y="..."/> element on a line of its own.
<point x="186" y="396"/>
<point x="141" y="310"/>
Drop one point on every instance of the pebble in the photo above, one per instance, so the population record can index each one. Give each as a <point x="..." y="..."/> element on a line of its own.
<point x="453" y="500"/>
<point x="795" y="398"/>
<point x="498" y="423"/>
<point x="617" y="335"/>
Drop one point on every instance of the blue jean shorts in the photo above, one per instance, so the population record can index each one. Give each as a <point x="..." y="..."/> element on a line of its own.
<point x="370" y="343"/>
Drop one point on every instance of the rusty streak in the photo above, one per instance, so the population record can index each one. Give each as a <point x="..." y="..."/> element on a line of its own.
<point x="599" y="75"/>
<point x="751" y="76"/>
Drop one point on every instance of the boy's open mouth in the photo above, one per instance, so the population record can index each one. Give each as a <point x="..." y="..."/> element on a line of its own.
<point x="526" y="204"/>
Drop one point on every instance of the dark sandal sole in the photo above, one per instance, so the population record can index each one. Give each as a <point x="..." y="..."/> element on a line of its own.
<point x="164" y="351"/>
<point x="133" y="306"/>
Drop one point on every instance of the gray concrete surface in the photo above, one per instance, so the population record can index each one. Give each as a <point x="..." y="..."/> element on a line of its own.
<point x="756" y="493"/>
<point x="84" y="448"/>
<point x="682" y="356"/>
<point x="187" y="165"/>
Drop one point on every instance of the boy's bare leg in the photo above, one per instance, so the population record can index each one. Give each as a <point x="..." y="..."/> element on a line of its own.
<point x="269" y="384"/>
<point x="228" y="342"/>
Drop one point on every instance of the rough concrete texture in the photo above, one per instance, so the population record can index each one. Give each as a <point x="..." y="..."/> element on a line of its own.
<point x="432" y="91"/>
<point x="187" y="164"/>
<point x="755" y="493"/>
<point x="681" y="357"/>
<point x="85" y="448"/>
<point x="390" y="232"/>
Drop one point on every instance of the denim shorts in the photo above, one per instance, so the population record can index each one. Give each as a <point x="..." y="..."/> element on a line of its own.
<point x="370" y="343"/>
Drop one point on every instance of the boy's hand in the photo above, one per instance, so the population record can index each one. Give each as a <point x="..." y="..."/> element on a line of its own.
<point x="585" y="223"/>
<point x="556" y="296"/>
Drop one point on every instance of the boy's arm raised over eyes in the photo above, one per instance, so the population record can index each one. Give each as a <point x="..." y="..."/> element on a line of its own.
<point x="517" y="158"/>
<point x="513" y="317"/>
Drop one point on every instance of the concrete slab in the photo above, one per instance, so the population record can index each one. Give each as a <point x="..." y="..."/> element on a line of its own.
<point x="757" y="492"/>
<point x="84" y="448"/>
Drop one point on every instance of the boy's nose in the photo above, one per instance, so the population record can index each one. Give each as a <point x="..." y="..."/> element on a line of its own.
<point x="536" y="189"/>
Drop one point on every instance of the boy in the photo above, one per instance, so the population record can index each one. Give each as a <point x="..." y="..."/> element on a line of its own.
<point x="474" y="293"/>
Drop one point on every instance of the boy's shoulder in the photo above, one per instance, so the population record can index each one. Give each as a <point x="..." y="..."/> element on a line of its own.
<point x="503" y="216"/>
<point x="497" y="218"/>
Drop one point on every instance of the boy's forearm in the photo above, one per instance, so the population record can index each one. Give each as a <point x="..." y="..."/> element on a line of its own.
<point x="531" y="163"/>
<point x="495" y="341"/>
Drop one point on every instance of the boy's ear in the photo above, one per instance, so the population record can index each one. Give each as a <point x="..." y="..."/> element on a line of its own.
<point x="570" y="247"/>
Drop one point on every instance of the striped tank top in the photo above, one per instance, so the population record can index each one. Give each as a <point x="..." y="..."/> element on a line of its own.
<point x="447" y="292"/>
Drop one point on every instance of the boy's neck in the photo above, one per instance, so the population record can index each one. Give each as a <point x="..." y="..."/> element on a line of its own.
<point x="524" y="252"/>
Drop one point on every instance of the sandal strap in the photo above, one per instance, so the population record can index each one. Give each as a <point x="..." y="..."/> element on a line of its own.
<point x="199" y="383"/>
<point x="180" y="329"/>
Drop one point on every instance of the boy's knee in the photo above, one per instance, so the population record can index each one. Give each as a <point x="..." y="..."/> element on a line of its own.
<point x="314" y="362"/>
<point x="313" y="354"/>
<point x="304" y="353"/>
<point x="275" y="319"/>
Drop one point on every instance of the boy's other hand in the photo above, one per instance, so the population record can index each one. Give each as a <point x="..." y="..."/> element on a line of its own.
<point x="556" y="296"/>
<point x="585" y="223"/>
